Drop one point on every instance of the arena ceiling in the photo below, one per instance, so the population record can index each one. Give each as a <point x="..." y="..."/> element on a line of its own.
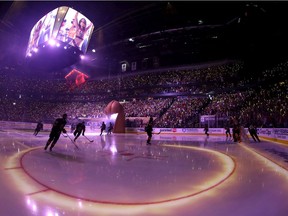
<point x="176" y="32"/>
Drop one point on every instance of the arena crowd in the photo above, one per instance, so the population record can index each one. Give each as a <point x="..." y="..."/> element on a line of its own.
<point x="174" y="97"/>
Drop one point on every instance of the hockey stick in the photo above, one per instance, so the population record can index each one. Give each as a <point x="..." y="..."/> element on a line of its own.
<point x="88" y="139"/>
<point x="71" y="140"/>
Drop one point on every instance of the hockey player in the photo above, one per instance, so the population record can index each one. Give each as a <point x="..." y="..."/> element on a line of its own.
<point x="236" y="133"/>
<point x="103" y="128"/>
<point x="253" y="132"/>
<point x="148" y="130"/>
<point x="227" y="132"/>
<point x="206" y="130"/>
<point x="80" y="128"/>
<point x="57" y="128"/>
<point x="110" y="128"/>
<point x="38" y="128"/>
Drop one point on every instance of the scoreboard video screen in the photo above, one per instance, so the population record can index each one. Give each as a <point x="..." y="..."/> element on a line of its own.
<point x="64" y="25"/>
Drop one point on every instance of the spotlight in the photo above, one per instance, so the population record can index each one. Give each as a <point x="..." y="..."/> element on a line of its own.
<point x="52" y="42"/>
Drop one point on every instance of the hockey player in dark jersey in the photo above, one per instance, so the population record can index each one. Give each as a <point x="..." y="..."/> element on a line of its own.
<point x="253" y="133"/>
<point x="206" y="130"/>
<point x="80" y="128"/>
<point x="102" y="128"/>
<point x="227" y="132"/>
<point x="110" y="128"/>
<point x="38" y="128"/>
<point x="149" y="130"/>
<point x="58" y="127"/>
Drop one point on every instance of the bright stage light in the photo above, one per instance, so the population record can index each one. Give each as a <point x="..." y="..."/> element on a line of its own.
<point x="52" y="42"/>
<point x="114" y="116"/>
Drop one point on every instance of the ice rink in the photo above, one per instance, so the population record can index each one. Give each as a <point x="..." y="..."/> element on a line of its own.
<point x="119" y="174"/>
